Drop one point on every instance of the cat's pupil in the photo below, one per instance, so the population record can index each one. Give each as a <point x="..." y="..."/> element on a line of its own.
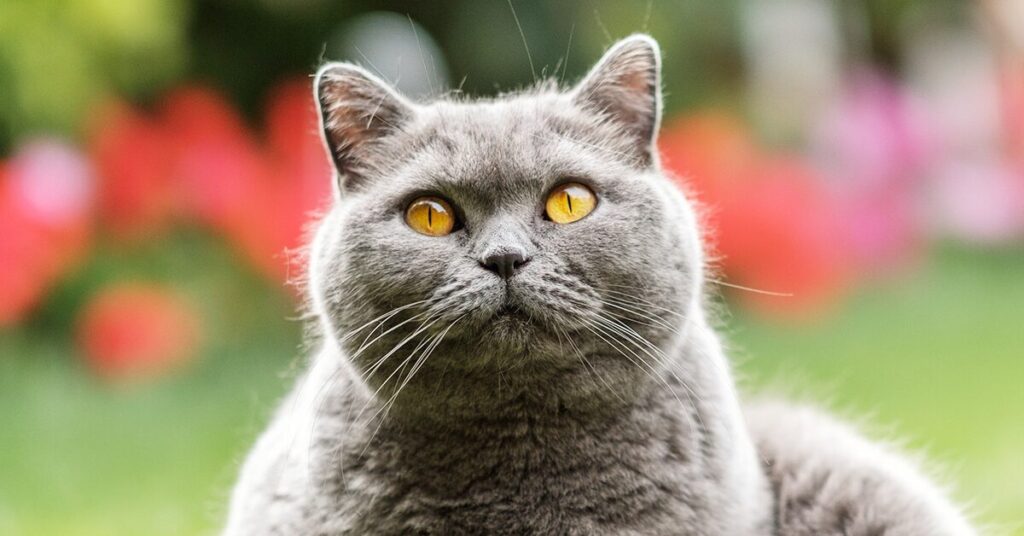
<point x="568" y="201"/>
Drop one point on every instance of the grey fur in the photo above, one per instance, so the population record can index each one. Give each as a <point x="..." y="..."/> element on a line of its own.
<point x="588" y="395"/>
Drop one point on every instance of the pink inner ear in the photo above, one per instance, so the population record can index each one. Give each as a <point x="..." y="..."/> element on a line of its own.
<point x="624" y="88"/>
<point x="358" y="110"/>
<point x="631" y="66"/>
<point x="637" y="81"/>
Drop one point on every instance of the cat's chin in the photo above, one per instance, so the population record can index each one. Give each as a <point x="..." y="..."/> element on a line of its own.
<point x="509" y="334"/>
<point x="510" y="331"/>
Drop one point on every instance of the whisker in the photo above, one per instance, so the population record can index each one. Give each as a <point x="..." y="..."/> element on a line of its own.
<point x="376" y="365"/>
<point x="388" y="314"/>
<point x="653" y="319"/>
<point x="380" y="361"/>
<point x="602" y="333"/>
<point x="601" y="25"/>
<point x="401" y="366"/>
<point x="370" y="369"/>
<point x="565" y="64"/>
<point x="370" y="63"/>
<point x="426" y="353"/>
<point x="588" y="365"/>
<point x="643" y="301"/>
<point x="602" y="148"/>
<point x="319" y="398"/>
<point x="522" y="34"/>
<point x="397" y="370"/>
<point x="426" y="72"/>
<point x="752" y="289"/>
<point x="665" y="362"/>
<point x="652" y="372"/>
<point x="386" y="409"/>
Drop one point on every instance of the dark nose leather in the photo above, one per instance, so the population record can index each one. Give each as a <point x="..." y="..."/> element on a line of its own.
<point x="504" y="263"/>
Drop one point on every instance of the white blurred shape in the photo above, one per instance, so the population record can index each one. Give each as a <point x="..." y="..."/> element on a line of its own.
<point x="396" y="48"/>
<point x="954" y="71"/>
<point x="793" y="52"/>
<point x="1010" y="18"/>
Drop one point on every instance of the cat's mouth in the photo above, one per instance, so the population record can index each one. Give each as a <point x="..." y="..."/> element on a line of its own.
<point x="510" y="310"/>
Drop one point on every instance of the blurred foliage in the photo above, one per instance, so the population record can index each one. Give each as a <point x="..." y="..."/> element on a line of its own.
<point x="59" y="57"/>
<point x="96" y="47"/>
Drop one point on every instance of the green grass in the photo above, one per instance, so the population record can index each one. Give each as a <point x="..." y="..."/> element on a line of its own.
<point x="82" y="457"/>
<point x="936" y="360"/>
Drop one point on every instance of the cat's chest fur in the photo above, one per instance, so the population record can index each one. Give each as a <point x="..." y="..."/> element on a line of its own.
<point x="644" y="472"/>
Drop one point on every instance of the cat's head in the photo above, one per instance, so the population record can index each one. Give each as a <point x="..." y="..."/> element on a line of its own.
<point x="531" y="238"/>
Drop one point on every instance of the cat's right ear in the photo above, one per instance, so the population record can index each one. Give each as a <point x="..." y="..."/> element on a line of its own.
<point x="357" y="110"/>
<point x="625" y="88"/>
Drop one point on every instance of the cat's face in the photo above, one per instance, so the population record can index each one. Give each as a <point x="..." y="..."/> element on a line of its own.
<point x="526" y="232"/>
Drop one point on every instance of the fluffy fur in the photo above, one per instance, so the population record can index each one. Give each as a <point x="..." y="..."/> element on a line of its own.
<point x="586" y="394"/>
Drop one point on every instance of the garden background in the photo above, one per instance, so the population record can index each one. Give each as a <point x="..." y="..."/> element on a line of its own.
<point x="863" y="165"/>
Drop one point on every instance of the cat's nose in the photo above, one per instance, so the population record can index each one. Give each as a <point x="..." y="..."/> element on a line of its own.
<point x="505" y="262"/>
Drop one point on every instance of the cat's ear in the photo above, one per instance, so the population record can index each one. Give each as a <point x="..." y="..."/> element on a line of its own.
<point x="625" y="86"/>
<point x="357" y="110"/>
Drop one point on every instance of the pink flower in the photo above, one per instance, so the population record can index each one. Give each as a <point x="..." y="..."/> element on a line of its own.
<point x="873" y="146"/>
<point x="874" y="135"/>
<point x="979" y="201"/>
<point x="302" y="173"/>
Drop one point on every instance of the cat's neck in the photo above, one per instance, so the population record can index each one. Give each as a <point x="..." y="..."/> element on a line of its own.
<point x="694" y="394"/>
<point x="683" y="432"/>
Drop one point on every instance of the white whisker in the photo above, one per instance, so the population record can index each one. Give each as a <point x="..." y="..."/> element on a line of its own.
<point x="752" y="289"/>
<point x="522" y="34"/>
<point x="640" y="342"/>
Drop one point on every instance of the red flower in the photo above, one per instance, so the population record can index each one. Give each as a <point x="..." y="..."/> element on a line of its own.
<point x="197" y="161"/>
<point x="46" y="201"/>
<point x="293" y="186"/>
<point x="134" y="331"/>
<point x="711" y="153"/>
<point x="772" y="222"/>
<point x="216" y="165"/>
<point x="130" y="153"/>
<point x="21" y="282"/>
<point x="782" y="232"/>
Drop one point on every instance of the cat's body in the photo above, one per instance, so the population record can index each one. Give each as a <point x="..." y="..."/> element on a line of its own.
<point x="534" y="467"/>
<point x="576" y="389"/>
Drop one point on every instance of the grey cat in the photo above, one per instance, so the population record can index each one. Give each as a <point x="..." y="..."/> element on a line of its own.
<point x="515" y="340"/>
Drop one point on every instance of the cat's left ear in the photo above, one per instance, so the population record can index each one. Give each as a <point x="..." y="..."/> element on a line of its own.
<point x="357" y="111"/>
<point x="625" y="86"/>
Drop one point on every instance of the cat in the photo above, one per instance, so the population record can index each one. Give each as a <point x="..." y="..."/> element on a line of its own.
<point x="515" y="339"/>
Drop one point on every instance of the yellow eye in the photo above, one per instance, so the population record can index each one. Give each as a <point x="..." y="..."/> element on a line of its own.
<point x="431" y="216"/>
<point x="570" y="202"/>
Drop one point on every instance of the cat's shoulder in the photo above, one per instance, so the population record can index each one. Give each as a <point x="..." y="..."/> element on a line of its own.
<point x="828" y="479"/>
<point x="273" y="488"/>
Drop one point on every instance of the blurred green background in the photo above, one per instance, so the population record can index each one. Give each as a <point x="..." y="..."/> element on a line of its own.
<point x="865" y="159"/>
